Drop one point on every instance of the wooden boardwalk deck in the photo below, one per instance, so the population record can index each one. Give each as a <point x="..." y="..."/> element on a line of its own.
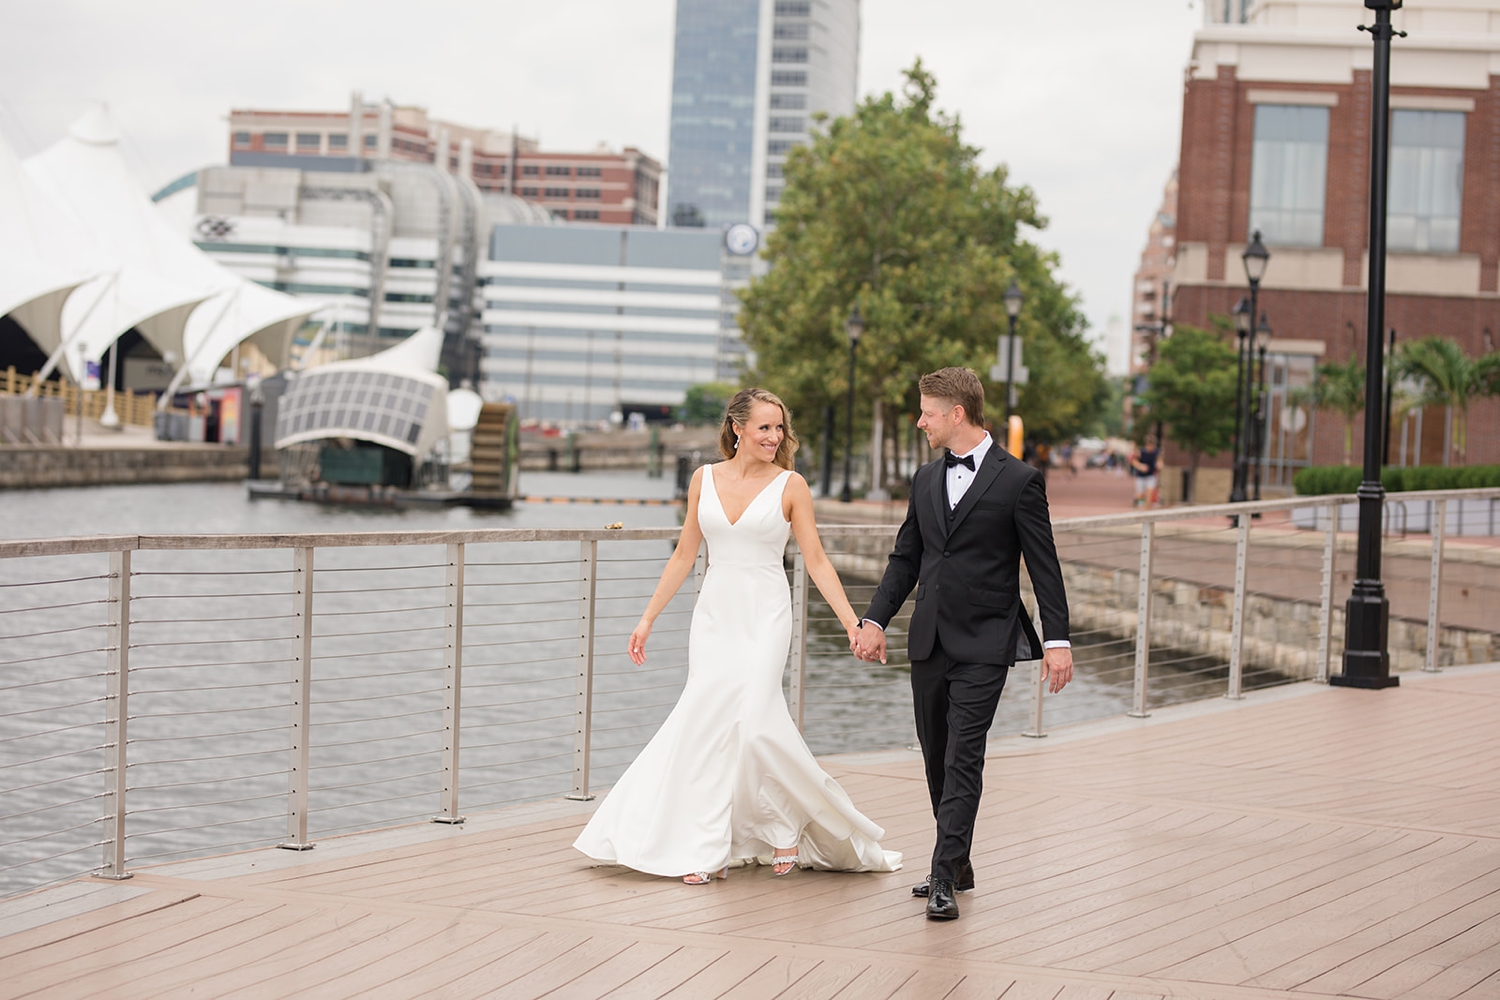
<point x="1305" y="842"/>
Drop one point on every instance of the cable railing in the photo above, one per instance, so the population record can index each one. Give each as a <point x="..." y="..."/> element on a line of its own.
<point x="174" y="695"/>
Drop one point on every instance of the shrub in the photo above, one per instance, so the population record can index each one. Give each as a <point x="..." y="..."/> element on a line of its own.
<point x="1321" y="480"/>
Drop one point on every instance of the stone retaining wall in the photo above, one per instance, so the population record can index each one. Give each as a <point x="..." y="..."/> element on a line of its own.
<point x="39" y="466"/>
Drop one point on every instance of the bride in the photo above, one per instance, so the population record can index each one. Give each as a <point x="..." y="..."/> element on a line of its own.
<point x="728" y="777"/>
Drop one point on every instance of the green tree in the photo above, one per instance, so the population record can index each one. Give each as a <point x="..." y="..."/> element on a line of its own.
<point x="1192" y="393"/>
<point x="1340" y="388"/>
<point x="704" y="403"/>
<point x="1447" y="377"/>
<point x="889" y="209"/>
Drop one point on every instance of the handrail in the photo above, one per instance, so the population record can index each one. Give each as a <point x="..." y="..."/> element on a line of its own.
<point x="324" y="672"/>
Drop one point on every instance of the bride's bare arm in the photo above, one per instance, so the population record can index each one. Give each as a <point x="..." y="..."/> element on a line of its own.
<point x="677" y="569"/>
<point x="799" y="502"/>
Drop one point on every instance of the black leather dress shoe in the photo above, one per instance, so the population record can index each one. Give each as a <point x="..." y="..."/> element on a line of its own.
<point x="963" y="883"/>
<point x="940" y="902"/>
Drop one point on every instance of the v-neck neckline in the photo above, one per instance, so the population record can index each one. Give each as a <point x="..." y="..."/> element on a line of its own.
<point x="723" y="510"/>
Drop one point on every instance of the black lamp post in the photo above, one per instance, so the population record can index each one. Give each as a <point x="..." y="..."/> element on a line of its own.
<point x="854" y="326"/>
<point x="1013" y="302"/>
<point x="1255" y="259"/>
<point x="1367" y="663"/>
<point x="1258" y="425"/>
<point x="1241" y="313"/>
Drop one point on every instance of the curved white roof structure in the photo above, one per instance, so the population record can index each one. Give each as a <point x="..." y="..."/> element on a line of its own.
<point x="394" y="398"/>
<point x="60" y="284"/>
<point x="85" y="175"/>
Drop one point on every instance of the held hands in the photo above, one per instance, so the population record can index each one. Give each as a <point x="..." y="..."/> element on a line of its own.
<point x="1057" y="665"/>
<point x="637" y="645"/>
<point x="868" y="643"/>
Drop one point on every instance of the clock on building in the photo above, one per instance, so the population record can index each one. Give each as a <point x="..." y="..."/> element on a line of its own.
<point x="741" y="238"/>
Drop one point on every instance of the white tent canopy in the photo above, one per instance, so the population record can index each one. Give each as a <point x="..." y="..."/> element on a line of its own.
<point x="394" y="398"/>
<point x="60" y="284"/>
<point x="85" y="175"/>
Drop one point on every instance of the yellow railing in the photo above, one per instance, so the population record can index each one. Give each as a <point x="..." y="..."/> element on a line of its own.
<point x="131" y="407"/>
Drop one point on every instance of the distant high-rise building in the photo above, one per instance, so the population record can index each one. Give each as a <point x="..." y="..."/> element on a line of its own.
<point x="747" y="77"/>
<point x="1150" y="299"/>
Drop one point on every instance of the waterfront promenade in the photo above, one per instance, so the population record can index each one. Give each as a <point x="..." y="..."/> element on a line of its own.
<point x="1302" y="842"/>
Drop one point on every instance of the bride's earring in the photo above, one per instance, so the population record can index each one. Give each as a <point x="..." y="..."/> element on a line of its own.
<point x="736" y="442"/>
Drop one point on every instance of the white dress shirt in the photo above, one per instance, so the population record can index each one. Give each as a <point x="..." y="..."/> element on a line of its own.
<point x="959" y="480"/>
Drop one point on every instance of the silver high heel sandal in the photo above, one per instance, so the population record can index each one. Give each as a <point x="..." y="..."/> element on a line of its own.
<point x="703" y="878"/>
<point x="790" y="860"/>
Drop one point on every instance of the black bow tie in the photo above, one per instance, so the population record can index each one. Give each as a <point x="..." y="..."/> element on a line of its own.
<point x="950" y="460"/>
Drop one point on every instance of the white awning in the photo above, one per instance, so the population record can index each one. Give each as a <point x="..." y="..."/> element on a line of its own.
<point x="85" y="175"/>
<point x="60" y="284"/>
<point x="394" y="398"/>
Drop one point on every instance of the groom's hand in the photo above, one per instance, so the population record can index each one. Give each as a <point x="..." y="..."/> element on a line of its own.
<point x="1057" y="664"/>
<point x="870" y="643"/>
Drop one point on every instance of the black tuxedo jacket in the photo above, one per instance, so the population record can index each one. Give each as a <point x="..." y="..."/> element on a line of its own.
<point x="966" y="565"/>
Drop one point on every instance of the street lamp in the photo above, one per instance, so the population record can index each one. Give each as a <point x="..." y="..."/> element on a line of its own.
<point x="1014" y="299"/>
<point x="1258" y="428"/>
<point x="854" y="326"/>
<point x="1255" y="259"/>
<point x="1241" y="313"/>
<point x="1367" y="663"/>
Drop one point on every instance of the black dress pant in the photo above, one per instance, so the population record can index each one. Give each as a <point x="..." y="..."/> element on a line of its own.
<point x="955" y="706"/>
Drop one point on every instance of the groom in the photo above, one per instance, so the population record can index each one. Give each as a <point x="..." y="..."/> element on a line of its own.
<point x="971" y="518"/>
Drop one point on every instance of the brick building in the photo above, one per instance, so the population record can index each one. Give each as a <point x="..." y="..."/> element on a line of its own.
<point x="618" y="188"/>
<point x="1150" y="297"/>
<point x="1275" y="137"/>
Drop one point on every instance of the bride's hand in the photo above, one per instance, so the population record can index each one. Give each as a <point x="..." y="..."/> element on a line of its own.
<point x="637" y="646"/>
<point x="853" y="631"/>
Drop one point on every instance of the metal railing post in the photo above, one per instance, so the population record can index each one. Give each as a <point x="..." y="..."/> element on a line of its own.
<point x="1237" y="630"/>
<point x="1434" y="627"/>
<point x="302" y="624"/>
<point x="1037" y="731"/>
<point x="116" y="709"/>
<point x="1143" y="621"/>
<point x="1325" y="608"/>
<point x="584" y="715"/>
<point x="798" y="680"/>
<point x="453" y="669"/>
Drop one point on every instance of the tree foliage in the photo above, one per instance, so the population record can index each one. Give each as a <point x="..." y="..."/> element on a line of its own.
<point x="704" y="403"/>
<point x="1447" y="377"/>
<point x="888" y="209"/>
<point x="1192" y="392"/>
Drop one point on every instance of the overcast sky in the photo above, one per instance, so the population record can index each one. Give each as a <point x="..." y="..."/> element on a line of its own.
<point x="1081" y="99"/>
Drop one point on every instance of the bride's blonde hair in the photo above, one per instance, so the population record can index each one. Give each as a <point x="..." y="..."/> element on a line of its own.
<point x="738" y="412"/>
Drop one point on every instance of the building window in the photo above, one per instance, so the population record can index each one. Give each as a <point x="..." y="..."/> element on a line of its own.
<point x="528" y="192"/>
<point x="274" y="140"/>
<point x="370" y="140"/>
<point x="788" y="78"/>
<point x="789" y="102"/>
<point x="770" y="216"/>
<point x="788" y="124"/>
<point x="586" y="215"/>
<point x="309" y="140"/>
<point x="242" y="140"/>
<point x="557" y="171"/>
<point x="789" y="54"/>
<point x="1427" y="180"/>
<point x="793" y="8"/>
<point x="555" y="192"/>
<point x="338" y="141"/>
<point x="790" y="32"/>
<point x="773" y="194"/>
<point x="589" y="172"/>
<point x="780" y="147"/>
<point x="587" y="193"/>
<point x="528" y="170"/>
<point x="775" y="170"/>
<point x="1289" y="174"/>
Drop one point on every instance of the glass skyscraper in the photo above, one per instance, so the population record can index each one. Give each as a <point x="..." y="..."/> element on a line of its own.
<point x="747" y="77"/>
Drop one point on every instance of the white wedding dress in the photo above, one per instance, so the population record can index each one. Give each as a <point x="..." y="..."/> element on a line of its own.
<point x="728" y="778"/>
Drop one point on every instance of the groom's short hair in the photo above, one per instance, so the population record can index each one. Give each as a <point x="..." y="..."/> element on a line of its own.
<point x="959" y="386"/>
